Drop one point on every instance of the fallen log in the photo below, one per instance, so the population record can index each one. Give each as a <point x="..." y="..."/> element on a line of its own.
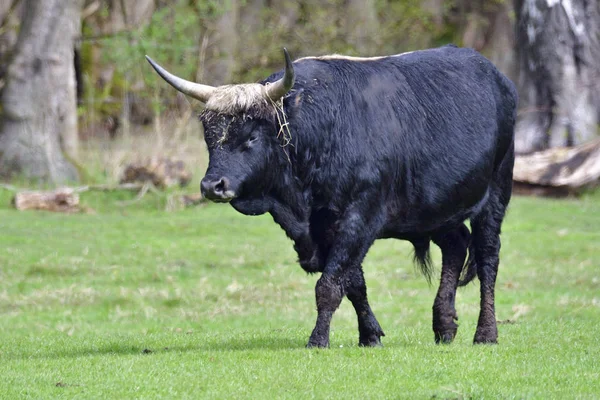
<point x="558" y="172"/>
<point x="60" y="200"/>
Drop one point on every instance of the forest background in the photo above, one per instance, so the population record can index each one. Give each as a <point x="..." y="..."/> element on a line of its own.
<point x="549" y="48"/>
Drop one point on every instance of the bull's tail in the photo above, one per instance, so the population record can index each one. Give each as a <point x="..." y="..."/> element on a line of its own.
<point x="423" y="259"/>
<point x="470" y="268"/>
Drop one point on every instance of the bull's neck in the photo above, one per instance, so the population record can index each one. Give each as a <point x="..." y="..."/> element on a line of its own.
<point x="290" y="208"/>
<point x="287" y="189"/>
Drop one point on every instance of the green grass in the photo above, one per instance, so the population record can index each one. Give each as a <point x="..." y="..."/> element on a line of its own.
<point x="136" y="302"/>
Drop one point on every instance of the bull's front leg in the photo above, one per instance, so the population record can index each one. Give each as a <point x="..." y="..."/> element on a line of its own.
<point x="296" y="226"/>
<point x="329" y="294"/>
<point x="369" y="330"/>
<point x="356" y="232"/>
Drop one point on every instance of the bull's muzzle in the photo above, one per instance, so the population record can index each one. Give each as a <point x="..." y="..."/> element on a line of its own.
<point x="217" y="190"/>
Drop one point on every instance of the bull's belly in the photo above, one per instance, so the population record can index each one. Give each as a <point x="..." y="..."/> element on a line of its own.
<point x="427" y="221"/>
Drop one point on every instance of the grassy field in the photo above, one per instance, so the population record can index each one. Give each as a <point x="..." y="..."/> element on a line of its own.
<point x="205" y="303"/>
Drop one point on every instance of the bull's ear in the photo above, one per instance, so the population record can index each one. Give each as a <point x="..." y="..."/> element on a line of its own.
<point x="294" y="99"/>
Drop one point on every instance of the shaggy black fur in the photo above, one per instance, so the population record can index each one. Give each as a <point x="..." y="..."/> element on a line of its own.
<point x="405" y="147"/>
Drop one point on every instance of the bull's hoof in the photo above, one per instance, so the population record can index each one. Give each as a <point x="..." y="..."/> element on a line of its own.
<point x="318" y="344"/>
<point x="486" y="336"/>
<point x="311" y="265"/>
<point x="371" y="337"/>
<point x="445" y="331"/>
<point x="318" y="340"/>
<point x="444" y="325"/>
<point x="484" y="340"/>
<point x="373" y="341"/>
<point x="445" y="337"/>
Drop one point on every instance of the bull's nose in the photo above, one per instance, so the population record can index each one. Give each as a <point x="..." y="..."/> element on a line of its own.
<point x="216" y="189"/>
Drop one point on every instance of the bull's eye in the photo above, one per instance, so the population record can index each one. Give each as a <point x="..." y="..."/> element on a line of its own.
<point x="251" y="141"/>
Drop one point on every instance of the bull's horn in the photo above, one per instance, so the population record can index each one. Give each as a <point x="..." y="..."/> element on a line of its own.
<point x="278" y="89"/>
<point x="195" y="90"/>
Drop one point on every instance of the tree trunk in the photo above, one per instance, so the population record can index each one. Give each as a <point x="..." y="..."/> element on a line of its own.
<point x="361" y="25"/>
<point x="39" y="99"/>
<point x="558" y="55"/>
<point x="9" y="23"/>
<point x="127" y="14"/>
<point x="221" y="60"/>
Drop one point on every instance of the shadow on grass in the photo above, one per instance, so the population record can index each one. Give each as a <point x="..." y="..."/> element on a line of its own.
<point x="239" y="343"/>
<point x="196" y="344"/>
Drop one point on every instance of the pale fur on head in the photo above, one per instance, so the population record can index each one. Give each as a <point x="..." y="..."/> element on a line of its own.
<point x="351" y="58"/>
<point x="234" y="99"/>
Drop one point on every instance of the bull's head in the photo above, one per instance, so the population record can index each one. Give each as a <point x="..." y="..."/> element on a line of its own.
<point x="240" y="129"/>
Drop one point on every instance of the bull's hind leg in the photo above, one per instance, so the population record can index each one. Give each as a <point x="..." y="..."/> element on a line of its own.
<point x="369" y="331"/>
<point x="486" y="234"/>
<point x="454" y="246"/>
<point x="486" y="240"/>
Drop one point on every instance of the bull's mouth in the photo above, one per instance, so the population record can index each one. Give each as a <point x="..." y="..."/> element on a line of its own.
<point x="223" y="197"/>
<point x="222" y="200"/>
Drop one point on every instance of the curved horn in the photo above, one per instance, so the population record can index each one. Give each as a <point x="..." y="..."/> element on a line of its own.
<point x="278" y="89"/>
<point x="195" y="90"/>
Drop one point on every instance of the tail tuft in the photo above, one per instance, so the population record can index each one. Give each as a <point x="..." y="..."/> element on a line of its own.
<point x="470" y="268"/>
<point x="423" y="259"/>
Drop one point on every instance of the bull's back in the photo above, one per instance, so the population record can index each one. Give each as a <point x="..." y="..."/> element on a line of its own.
<point x="418" y="100"/>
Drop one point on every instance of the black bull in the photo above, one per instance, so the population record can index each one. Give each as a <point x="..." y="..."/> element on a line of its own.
<point x="342" y="151"/>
